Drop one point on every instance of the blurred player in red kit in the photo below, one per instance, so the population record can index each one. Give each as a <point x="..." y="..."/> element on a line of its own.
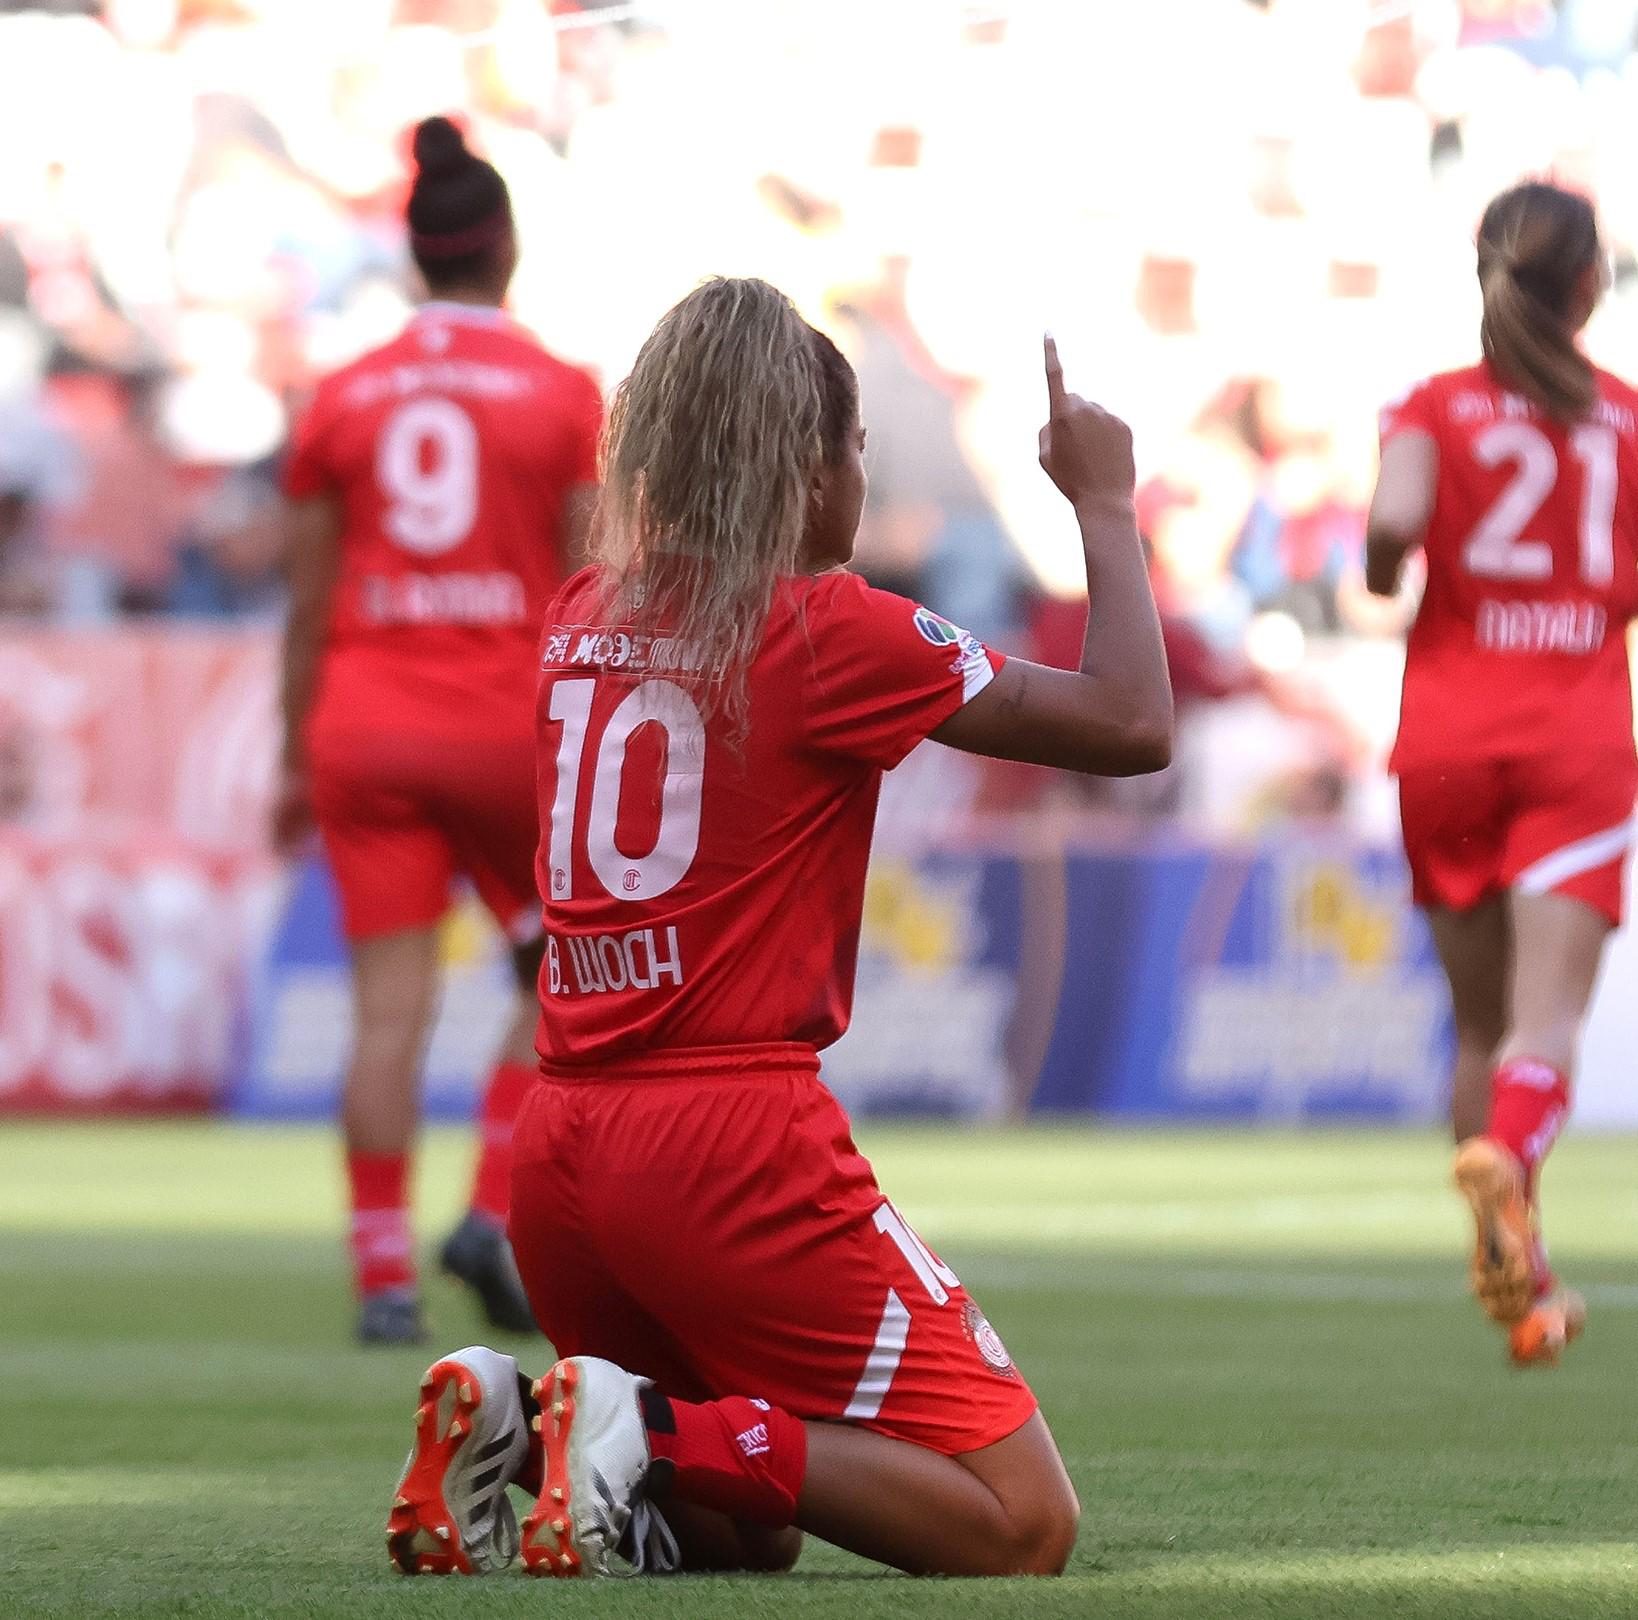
<point x="437" y="489"/>
<point x="1518" y="478"/>
<point x="756" y="1342"/>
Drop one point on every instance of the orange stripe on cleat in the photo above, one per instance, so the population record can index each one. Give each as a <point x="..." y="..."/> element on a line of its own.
<point x="548" y="1547"/>
<point x="422" y="1536"/>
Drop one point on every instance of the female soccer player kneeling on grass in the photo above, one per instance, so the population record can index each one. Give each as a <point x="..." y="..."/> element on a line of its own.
<point x="436" y="488"/>
<point x="755" y="1341"/>
<point x="1515" y="757"/>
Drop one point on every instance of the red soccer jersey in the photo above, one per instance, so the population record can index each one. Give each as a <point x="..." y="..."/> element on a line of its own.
<point x="451" y="450"/>
<point x="1519" y="646"/>
<point x="699" y="896"/>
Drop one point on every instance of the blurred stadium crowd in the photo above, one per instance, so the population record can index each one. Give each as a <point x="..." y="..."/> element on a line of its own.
<point x="200" y="204"/>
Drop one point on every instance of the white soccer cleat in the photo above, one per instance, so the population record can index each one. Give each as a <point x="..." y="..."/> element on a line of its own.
<point x="451" y="1514"/>
<point x="593" y="1508"/>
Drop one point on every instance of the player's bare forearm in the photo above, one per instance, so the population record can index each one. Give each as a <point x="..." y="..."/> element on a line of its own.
<point x="1112" y="716"/>
<point x="1401" y="506"/>
<point x="1123" y="651"/>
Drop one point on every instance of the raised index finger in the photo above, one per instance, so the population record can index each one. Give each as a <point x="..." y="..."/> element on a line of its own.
<point x="1054" y="374"/>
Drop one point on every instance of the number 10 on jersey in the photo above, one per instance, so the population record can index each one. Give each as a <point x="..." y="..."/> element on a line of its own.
<point x="622" y="875"/>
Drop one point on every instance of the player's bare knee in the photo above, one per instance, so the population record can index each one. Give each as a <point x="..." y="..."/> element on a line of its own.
<point x="1041" y="1533"/>
<point x="1051" y="1535"/>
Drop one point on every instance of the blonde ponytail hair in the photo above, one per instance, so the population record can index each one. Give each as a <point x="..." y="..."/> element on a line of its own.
<point x="1536" y="242"/>
<point x="709" y="453"/>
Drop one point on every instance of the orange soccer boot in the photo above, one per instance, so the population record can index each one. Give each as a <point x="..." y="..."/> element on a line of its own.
<point x="1506" y="1273"/>
<point x="1540" y="1336"/>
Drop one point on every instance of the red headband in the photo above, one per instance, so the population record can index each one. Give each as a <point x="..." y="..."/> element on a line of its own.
<point x="456" y="244"/>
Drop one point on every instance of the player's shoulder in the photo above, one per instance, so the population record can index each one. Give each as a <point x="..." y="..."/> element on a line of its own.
<point x="1441" y="401"/>
<point x="578" y="593"/>
<point x="561" y="376"/>
<point x="338" y="388"/>
<point x="1619" y="397"/>
<point x="841" y="618"/>
<point x="1443" y="386"/>
<point x="839" y="594"/>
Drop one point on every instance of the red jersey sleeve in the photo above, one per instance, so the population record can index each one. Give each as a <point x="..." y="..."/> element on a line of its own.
<point x="306" y="472"/>
<point x="884" y="672"/>
<point x="1415" y="411"/>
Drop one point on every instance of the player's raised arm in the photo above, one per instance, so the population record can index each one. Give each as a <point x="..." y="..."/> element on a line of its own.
<point x="1400" y="508"/>
<point x="1112" y="716"/>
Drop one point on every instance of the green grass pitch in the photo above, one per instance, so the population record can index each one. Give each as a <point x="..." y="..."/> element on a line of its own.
<point x="1255" y="1350"/>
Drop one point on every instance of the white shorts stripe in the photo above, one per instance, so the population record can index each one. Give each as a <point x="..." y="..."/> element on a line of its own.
<point x="1585" y="855"/>
<point x="883" y="1362"/>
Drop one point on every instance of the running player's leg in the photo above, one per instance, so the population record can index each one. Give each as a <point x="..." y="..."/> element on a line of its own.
<point x="392" y="872"/>
<point x="1566" y="848"/>
<point x="1453" y="819"/>
<point x="394" y="991"/>
<point x="1474" y="950"/>
<point x="1559" y="948"/>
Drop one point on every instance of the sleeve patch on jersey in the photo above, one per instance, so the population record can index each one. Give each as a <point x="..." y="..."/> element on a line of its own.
<point x="971" y="662"/>
<point x="939" y="631"/>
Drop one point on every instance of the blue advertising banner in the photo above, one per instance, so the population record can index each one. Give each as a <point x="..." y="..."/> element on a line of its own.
<point x="301" y="1009"/>
<point x="1167" y="981"/>
<point x="1284" y="985"/>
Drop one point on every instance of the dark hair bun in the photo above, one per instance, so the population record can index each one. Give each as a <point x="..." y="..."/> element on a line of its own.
<point x="440" y="148"/>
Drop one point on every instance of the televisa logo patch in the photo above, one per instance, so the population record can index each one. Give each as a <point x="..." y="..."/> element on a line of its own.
<point x="930" y="627"/>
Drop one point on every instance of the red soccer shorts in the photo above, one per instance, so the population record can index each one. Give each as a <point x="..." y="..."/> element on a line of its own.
<point x="1554" y="824"/>
<point x="403" y="813"/>
<point x="723" y="1236"/>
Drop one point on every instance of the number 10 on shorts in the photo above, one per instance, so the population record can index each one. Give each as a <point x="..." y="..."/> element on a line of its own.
<point x="893" y="1332"/>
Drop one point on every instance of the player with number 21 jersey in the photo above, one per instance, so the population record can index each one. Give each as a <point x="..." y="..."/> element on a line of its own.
<point x="1518" y="479"/>
<point x="1532" y="574"/>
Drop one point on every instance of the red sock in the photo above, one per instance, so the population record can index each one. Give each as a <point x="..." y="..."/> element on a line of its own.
<point x="742" y="1457"/>
<point x="1528" y="1104"/>
<point x="383" y="1255"/>
<point x="492" y="1184"/>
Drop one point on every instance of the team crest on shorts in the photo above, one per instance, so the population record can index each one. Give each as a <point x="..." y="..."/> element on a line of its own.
<point x="986" y="1341"/>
